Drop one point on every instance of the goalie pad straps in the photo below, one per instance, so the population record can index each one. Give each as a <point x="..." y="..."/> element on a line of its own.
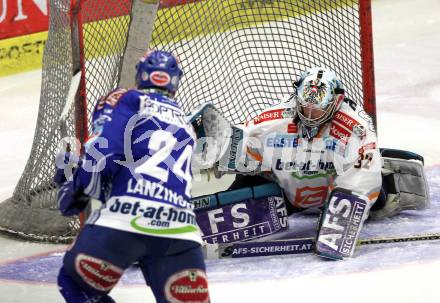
<point x="340" y="224"/>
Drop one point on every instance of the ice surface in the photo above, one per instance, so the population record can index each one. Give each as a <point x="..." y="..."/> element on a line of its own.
<point x="407" y="63"/>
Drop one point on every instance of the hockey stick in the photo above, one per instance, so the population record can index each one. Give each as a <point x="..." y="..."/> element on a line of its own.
<point x="70" y="100"/>
<point x="293" y="246"/>
<point x="62" y="121"/>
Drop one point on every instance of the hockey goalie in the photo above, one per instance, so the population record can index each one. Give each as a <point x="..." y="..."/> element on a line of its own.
<point x="321" y="149"/>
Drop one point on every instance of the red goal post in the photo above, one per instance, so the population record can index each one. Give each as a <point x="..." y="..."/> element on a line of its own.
<point x="239" y="54"/>
<point x="367" y="59"/>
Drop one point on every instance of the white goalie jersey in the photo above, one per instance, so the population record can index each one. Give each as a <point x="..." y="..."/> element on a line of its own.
<point x="308" y="163"/>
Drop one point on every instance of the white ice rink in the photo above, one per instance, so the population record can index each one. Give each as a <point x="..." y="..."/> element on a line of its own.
<point x="407" y="64"/>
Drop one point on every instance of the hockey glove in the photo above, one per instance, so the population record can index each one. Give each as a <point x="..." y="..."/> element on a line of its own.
<point x="71" y="202"/>
<point x="213" y="132"/>
<point x="66" y="164"/>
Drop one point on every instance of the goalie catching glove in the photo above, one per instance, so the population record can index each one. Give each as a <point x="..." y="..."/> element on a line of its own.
<point x="214" y="135"/>
<point x="219" y="143"/>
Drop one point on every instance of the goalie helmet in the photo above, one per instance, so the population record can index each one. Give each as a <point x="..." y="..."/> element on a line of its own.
<point x="318" y="95"/>
<point x="159" y="69"/>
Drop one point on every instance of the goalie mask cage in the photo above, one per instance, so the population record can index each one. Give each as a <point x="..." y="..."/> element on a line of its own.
<point x="241" y="55"/>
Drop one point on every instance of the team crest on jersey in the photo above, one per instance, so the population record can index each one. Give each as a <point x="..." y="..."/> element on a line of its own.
<point x="187" y="286"/>
<point x="160" y="78"/>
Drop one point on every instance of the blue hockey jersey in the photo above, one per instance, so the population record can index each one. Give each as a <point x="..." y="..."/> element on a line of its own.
<point x="142" y="147"/>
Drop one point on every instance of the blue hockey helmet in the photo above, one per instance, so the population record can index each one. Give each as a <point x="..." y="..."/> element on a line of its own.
<point x="159" y="69"/>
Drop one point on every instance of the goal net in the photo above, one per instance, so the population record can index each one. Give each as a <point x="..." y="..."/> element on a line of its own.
<point x="241" y="55"/>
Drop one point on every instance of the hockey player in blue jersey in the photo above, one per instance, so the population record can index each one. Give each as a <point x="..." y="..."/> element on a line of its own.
<point x="138" y="165"/>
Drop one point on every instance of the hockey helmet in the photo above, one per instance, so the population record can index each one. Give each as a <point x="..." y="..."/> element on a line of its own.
<point x="318" y="95"/>
<point x="159" y="69"/>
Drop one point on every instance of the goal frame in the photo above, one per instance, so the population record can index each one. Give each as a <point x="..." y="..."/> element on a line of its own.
<point x="142" y="15"/>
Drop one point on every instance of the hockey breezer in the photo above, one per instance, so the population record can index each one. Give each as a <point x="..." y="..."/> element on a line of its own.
<point x="293" y="246"/>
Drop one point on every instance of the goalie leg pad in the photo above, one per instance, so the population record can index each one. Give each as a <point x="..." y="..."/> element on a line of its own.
<point x="404" y="185"/>
<point x="340" y="224"/>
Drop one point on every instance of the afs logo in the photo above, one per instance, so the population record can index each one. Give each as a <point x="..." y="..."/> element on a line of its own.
<point x="310" y="196"/>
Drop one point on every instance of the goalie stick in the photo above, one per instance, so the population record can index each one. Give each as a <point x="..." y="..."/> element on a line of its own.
<point x="293" y="246"/>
